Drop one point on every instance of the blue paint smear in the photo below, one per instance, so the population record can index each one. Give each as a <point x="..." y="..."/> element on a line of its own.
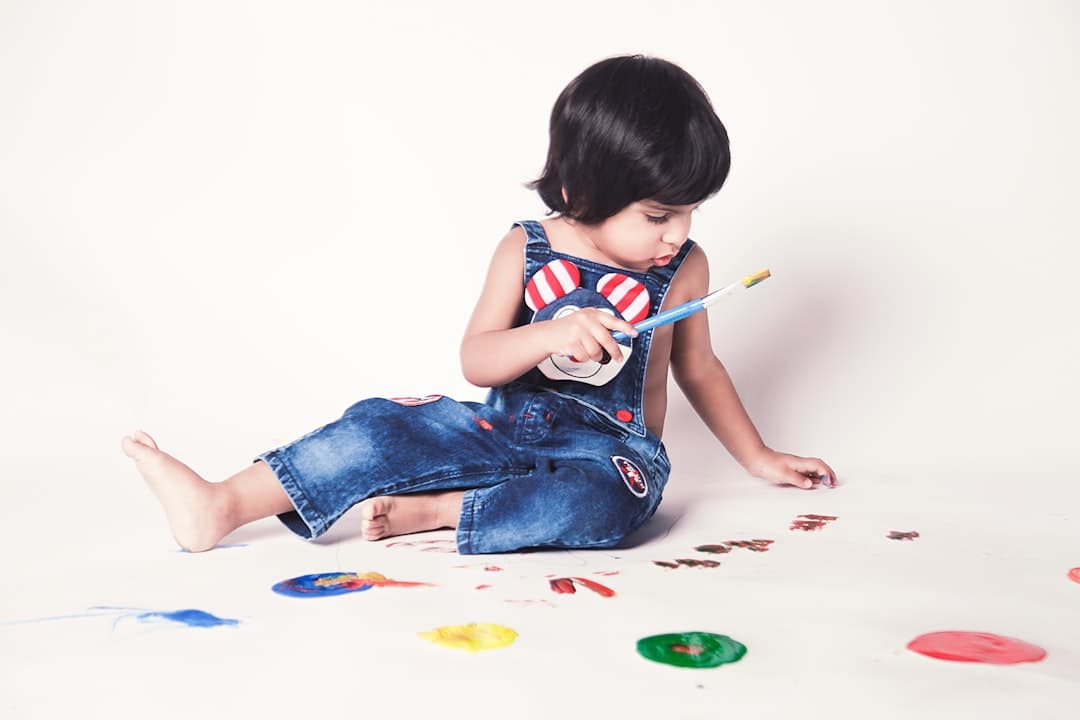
<point x="304" y="586"/>
<point x="189" y="617"/>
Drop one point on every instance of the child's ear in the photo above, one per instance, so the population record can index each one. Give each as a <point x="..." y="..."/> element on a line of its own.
<point x="628" y="296"/>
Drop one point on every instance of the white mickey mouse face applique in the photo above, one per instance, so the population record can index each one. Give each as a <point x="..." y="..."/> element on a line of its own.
<point x="553" y="292"/>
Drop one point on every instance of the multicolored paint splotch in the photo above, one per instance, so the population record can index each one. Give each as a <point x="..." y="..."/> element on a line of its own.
<point x="691" y="649"/>
<point x="337" y="583"/>
<point x="981" y="647"/>
<point x="471" y="637"/>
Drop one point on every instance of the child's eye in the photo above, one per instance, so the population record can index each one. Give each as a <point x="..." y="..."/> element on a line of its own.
<point x="658" y="219"/>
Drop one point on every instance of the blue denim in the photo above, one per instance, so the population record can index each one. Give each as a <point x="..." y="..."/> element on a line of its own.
<point x="537" y="468"/>
<point x="543" y="462"/>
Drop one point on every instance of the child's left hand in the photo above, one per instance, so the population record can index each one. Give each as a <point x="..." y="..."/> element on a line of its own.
<point x="786" y="469"/>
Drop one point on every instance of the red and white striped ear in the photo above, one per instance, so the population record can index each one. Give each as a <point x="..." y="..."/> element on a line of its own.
<point x="628" y="296"/>
<point x="550" y="283"/>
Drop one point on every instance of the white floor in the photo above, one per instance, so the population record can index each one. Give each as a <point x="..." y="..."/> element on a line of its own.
<point x="826" y="615"/>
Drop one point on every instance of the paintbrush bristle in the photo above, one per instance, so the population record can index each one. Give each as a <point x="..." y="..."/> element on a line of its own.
<point x="752" y="280"/>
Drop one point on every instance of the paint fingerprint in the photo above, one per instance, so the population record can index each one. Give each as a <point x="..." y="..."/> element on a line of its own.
<point x="691" y="649"/>
<point x="471" y="637"/>
<point x="811" y="522"/>
<point x="1074" y="574"/>
<point x="756" y="545"/>
<point x="687" y="562"/>
<point x="565" y="586"/>
<point x="902" y="535"/>
<point x="961" y="646"/>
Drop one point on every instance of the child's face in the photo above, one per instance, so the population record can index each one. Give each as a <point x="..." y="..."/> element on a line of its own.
<point x="644" y="234"/>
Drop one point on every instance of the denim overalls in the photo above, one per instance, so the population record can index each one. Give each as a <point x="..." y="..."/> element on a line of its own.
<point x="559" y="457"/>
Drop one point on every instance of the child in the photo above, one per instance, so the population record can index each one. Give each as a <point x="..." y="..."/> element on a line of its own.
<point x="566" y="451"/>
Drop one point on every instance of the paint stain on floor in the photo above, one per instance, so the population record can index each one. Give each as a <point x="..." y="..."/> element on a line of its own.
<point x="337" y="583"/>
<point x="566" y="586"/>
<point x="810" y="522"/>
<point x="756" y="545"/>
<point x="1074" y="574"/>
<point x="980" y="647"/>
<point x="472" y="637"/>
<point x="687" y="562"/>
<point x="902" y="534"/>
<point x="441" y="546"/>
<point x="691" y="649"/>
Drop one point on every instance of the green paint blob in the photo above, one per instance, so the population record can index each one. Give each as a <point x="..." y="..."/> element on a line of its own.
<point x="691" y="649"/>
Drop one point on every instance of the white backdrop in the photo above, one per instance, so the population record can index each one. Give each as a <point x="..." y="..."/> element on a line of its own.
<point x="223" y="222"/>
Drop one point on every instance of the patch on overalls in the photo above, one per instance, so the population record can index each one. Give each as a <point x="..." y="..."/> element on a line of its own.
<point x="631" y="475"/>
<point x="414" y="401"/>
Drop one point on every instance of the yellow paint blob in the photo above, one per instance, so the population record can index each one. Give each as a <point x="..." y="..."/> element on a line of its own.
<point x="471" y="637"/>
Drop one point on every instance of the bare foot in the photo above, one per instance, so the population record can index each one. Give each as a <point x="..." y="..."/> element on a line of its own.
<point x="197" y="510"/>
<point x="390" y="515"/>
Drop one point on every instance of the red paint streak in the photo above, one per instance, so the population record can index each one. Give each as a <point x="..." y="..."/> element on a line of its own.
<point x="484" y="424"/>
<point x="609" y="573"/>
<point x="1074" y="574"/>
<point x="665" y="563"/>
<point x="548" y="417"/>
<point x="902" y="535"/>
<point x="563" y="586"/>
<point x="596" y="587"/>
<point x="483" y="587"/>
<point x="688" y="649"/>
<point x="492" y="568"/>
<point x="976" y="647"/>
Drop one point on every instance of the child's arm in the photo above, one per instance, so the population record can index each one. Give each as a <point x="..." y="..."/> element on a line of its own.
<point x="494" y="352"/>
<point x="708" y="387"/>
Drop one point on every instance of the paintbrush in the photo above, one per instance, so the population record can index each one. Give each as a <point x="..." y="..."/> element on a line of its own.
<point x="689" y="308"/>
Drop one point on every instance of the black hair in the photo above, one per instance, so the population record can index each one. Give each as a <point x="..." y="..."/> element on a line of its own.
<point x="631" y="128"/>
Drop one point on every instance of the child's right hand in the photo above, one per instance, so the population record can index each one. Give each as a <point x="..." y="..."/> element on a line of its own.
<point x="586" y="334"/>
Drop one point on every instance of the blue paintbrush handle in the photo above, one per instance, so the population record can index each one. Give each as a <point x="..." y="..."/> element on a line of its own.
<point x="668" y="316"/>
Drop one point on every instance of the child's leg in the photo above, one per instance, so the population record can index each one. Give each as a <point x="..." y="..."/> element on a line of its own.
<point x="201" y="513"/>
<point x="390" y="515"/>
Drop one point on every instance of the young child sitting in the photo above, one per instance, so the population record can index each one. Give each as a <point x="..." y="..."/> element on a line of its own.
<point x="565" y="452"/>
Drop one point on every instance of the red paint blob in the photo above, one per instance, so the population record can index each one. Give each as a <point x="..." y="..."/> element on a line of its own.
<point x="1074" y="574"/>
<point x="624" y="415"/>
<point x="976" y="647"/>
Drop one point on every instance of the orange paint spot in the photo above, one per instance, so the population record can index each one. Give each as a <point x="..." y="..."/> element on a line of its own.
<point x="624" y="415"/>
<point x="484" y="424"/>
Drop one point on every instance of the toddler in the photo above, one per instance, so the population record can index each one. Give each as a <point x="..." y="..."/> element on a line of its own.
<point x="565" y="452"/>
